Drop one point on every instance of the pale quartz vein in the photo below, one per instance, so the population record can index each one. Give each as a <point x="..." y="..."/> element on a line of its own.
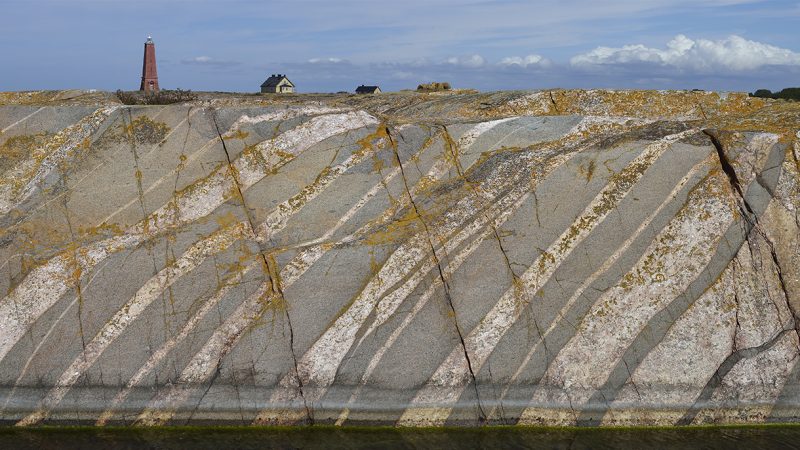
<point x="173" y="341"/>
<point x="470" y="136"/>
<point x="21" y="120"/>
<point x="45" y="284"/>
<point x="589" y="124"/>
<point x="386" y="311"/>
<point x="664" y="271"/>
<point x="19" y="183"/>
<point x="696" y="344"/>
<point x="319" y="364"/>
<point x="601" y="269"/>
<point x="280" y="216"/>
<point x="129" y="312"/>
<point x="206" y="361"/>
<point x="482" y="340"/>
<point x="243" y="316"/>
<point x="284" y="114"/>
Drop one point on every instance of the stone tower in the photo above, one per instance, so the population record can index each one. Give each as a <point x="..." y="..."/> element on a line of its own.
<point x="149" y="73"/>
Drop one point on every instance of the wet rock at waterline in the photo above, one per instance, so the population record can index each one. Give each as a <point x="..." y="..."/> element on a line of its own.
<point x="556" y="257"/>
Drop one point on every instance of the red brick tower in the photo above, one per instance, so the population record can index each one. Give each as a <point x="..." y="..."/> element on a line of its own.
<point x="149" y="74"/>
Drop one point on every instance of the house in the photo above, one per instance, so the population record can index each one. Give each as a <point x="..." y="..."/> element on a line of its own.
<point x="277" y="84"/>
<point x="368" y="90"/>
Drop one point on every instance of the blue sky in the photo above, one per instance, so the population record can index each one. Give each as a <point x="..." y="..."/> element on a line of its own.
<point x="232" y="45"/>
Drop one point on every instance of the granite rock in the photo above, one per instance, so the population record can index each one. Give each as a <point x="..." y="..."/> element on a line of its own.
<point x="559" y="257"/>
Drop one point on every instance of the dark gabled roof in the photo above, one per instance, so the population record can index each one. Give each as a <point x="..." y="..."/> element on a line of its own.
<point x="274" y="80"/>
<point x="366" y="89"/>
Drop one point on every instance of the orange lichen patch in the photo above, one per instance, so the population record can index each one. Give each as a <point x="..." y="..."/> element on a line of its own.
<point x="102" y="230"/>
<point x="377" y="139"/>
<point x="18" y="182"/>
<point x="377" y="163"/>
<point x="634" y="103"/>
<point x="676" y="104"/>
<point x="587" y="171"/>
<point x="40" y="242"/>
<point x="397" y="230"/>
<point x="27" y="98"/>
<point x="227" y="219"/>
<point x="17" y="147"/>
<point x="34" y="243"/>
<point x="253" y="157"/>
<point x="38" y="239"/>
<point x="182" y="164"/>
<point x="775" y="116"/>
<point x="145" y="130"/>
<point x="36" y="157"/>
<point x="267" y="302"/>
<point x="241" y="135"/>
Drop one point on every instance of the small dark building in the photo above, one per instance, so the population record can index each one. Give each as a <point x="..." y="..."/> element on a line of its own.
<point x="368" y="90"/>
<point x="277" y="84"/>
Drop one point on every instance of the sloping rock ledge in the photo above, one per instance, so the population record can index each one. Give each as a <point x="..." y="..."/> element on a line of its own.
<point x="549" y="257"/>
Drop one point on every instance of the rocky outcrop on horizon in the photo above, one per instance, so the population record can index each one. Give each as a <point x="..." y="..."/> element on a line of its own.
<point x="560" y="257"/>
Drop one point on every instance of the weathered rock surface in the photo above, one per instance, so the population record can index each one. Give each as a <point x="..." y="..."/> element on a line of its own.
<point x="556" y="257"/>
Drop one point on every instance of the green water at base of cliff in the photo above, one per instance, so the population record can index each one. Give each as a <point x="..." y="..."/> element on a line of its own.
<point x="327" y="437"/>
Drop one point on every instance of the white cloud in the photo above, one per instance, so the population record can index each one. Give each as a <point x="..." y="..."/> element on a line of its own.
<point x="326" y="60"/>
<point x="471" y="62"/>
<point x="702" y="55"/>
<point x="208" y="61"/>
<point x="530" y="60"/>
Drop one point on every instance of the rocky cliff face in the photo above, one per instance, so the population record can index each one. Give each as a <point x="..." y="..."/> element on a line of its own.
<point x="555" y="257"/>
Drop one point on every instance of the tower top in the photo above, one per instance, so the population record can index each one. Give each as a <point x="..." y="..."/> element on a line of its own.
<point x="149" y="39"/>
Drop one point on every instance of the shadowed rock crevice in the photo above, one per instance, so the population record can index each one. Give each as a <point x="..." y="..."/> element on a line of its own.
<point x="730" y="172"/>
<point x="737" y="234"/>
<point x="445" y="285"/>
<point x="723" y="369"/>
<point x="750" y="216"/>
<point x="454" y="153"/>
<point x="553" y="101"/>
<point x="271" y="273"/>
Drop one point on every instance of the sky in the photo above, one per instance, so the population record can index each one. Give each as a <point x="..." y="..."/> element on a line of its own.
<point x="336" y="45"/>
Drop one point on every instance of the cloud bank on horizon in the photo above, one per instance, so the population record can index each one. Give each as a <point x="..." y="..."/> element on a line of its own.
<point x="331" y="46"/>
<point x="702" y="56"/>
